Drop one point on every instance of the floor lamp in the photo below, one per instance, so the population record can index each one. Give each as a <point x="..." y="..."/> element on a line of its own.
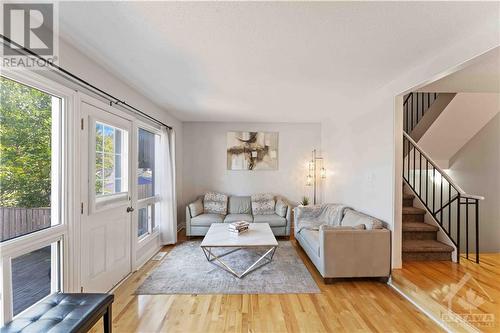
<point x="315" y="164"/>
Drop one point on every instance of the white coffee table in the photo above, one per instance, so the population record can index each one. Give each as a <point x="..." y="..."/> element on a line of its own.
<point x="258" y="235"/>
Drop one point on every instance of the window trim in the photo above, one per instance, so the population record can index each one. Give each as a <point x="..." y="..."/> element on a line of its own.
<point x="99" y="203"/>
<point x="114" y="155"/>
<point x="57" y="284"/>
<point x="144" y="203"/>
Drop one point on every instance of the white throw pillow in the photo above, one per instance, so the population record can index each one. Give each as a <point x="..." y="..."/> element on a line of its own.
<point x="263" y="204"/>
<point x="215" y="203"/>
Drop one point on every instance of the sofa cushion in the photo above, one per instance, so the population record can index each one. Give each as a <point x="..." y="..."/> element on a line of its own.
<point x="263" y="204"/>
<point x="215" y="203"/>
<point x="238" y="217"/>
<point x="311" y="237"/>
<point x="207" y="219"/>
<point x="281" y="208"/>
<point x="196" y="208"/>
<point x="273" y="220"/>
<point x="240" y="205"/>
<point x="353" y="218"/>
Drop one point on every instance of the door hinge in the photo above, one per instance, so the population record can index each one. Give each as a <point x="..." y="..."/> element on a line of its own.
<point x="81" y="123"/>
<point x="81" y="208"/>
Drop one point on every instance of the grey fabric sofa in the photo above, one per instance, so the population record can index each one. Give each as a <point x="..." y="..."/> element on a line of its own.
<point x="340" y="250"/>
<point x="239" y="209"/>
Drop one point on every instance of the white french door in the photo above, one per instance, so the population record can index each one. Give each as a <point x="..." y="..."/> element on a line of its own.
<point x="106" y="193"/>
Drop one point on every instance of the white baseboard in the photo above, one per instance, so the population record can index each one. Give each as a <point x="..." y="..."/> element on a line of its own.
<point x="147" y="256"/>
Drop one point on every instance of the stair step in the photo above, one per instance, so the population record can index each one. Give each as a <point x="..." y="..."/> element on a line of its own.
<point x="419" y="231"/>
<point x="408" y="196"/>
<point x="426" y="246"/>
<point x="407" y="202"/>
<point x="426" y="250"/>
<point x="419" y="227"/>
<point x="413" y="214"/>
<point x="413" y="211"/>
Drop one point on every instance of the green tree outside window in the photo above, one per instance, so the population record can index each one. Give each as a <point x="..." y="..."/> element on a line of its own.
<point x="25" y="145"/>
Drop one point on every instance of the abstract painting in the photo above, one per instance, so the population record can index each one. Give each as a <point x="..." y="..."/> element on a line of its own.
<point x="252" y="150"/>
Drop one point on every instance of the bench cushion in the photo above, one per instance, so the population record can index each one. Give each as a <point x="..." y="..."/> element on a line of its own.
<point x="207" y="219"/>
<point x="60" y="313"/>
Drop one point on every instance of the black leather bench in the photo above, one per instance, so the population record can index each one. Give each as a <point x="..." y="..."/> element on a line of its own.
<point x="64" y="313"/>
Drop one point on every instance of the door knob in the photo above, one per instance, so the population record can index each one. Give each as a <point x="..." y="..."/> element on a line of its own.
<point x="130" y="209"/>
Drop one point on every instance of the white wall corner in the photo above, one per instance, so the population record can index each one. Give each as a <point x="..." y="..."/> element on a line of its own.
<point x="397" y="233"/>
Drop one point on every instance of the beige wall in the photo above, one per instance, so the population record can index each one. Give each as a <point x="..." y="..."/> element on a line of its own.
<point x="205" y="165"/>
<point x="465" y="116"/>
<point x="476" y="168"/>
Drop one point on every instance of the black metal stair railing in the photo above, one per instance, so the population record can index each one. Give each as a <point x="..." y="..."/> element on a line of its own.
<point x="455" y="211"/>
<point x="415" y="105"/>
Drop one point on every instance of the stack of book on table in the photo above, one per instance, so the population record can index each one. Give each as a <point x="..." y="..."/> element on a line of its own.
<point x="238" y="227"/>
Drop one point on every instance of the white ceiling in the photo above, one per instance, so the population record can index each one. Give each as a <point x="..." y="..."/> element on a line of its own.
<point x="463" y="118"/>
<point x="265" y="61"/>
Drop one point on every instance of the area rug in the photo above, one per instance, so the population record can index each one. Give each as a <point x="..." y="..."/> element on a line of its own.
<point x="185" y="270"/>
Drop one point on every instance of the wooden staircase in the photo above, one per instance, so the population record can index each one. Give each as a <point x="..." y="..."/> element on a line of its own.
<point x="419" y="238"/>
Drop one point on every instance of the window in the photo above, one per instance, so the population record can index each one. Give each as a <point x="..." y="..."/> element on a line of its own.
<point x="29" y="147"/>
<point x="33" y="137"/>
<point x="35" y="275"/>
<point x="110" y="160"/>
<point x="148" y="143"/>
<point x="145" y="219"/>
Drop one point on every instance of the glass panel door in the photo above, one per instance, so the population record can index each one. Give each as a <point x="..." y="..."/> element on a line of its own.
<point x="106" y="224"/>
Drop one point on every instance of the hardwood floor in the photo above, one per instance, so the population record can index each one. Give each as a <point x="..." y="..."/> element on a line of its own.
<point x="477" y="292"/>
<point x="346" y="306"/>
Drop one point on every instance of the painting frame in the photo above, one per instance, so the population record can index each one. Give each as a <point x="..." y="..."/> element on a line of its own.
<point x="252" y="150"/>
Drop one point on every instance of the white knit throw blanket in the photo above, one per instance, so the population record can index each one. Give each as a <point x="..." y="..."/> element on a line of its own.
<point x="313" y="217"/>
